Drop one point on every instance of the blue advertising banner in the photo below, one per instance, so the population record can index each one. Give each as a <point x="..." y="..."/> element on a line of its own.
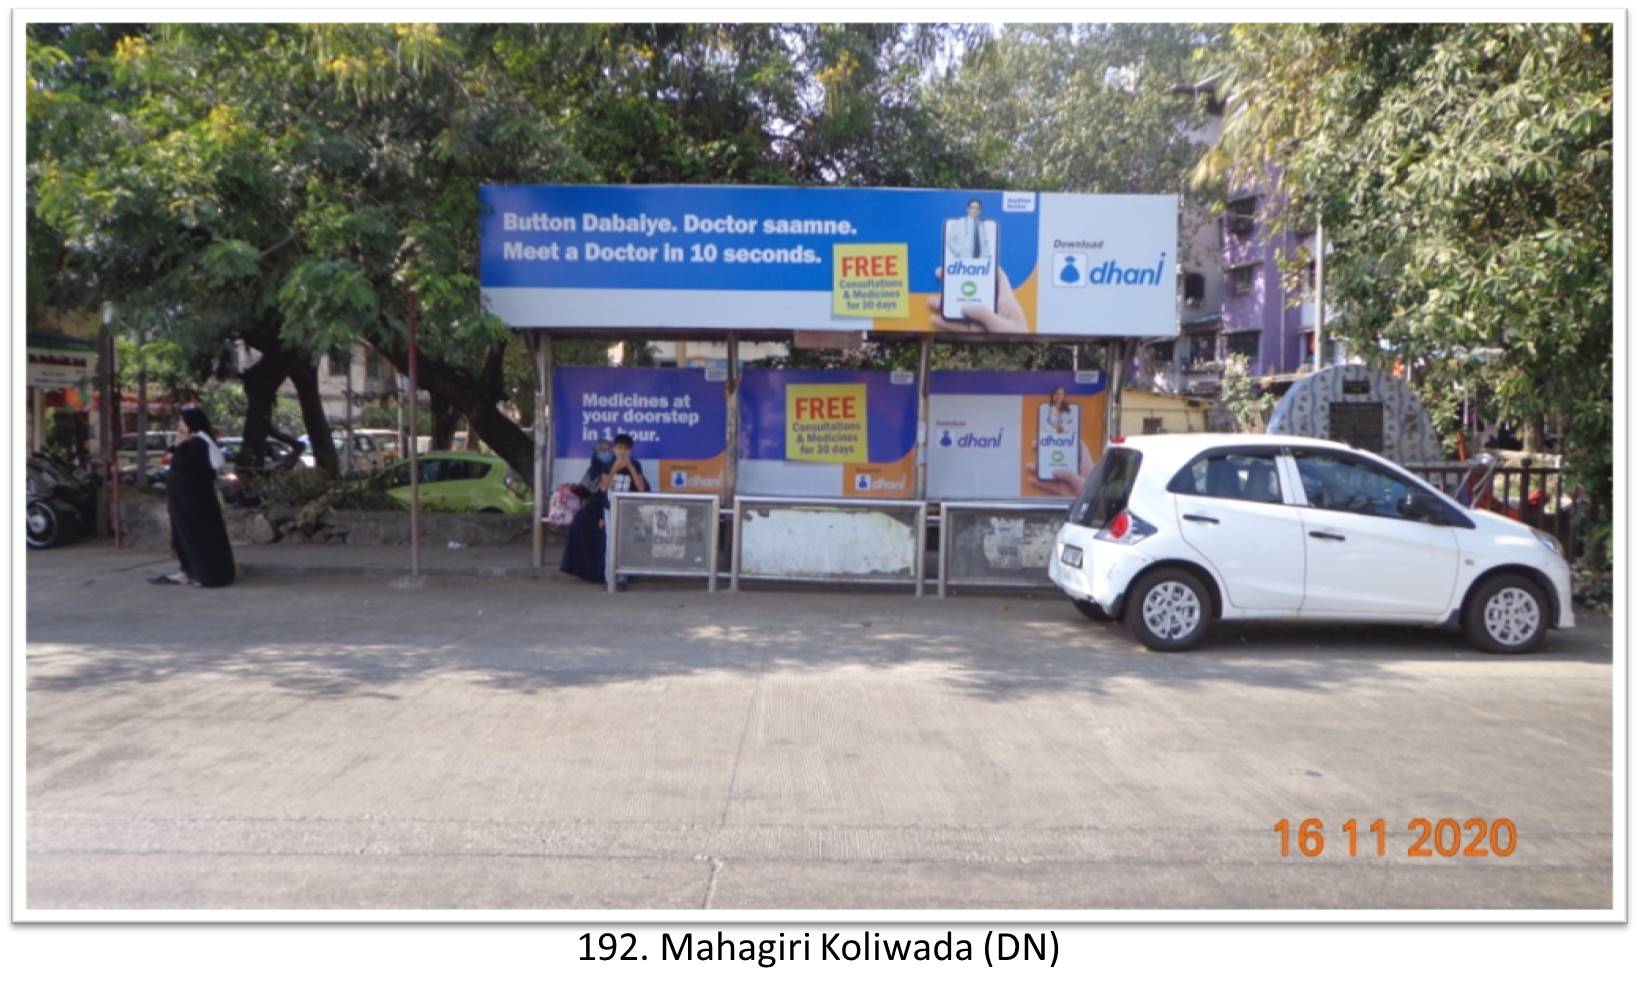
<point x="676" y="417"/>
<point x="728" y="257"/>
<point x="1006" y="434"/>
<point x="830" y="433"/>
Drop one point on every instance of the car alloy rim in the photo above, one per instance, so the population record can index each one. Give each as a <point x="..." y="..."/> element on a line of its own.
<point x="1171" y="610"/>
<point x="37" y="521"/>
<point x="1512" y="616"/>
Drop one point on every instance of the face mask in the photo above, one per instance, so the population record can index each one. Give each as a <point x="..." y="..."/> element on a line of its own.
<point x="604" y="456"/>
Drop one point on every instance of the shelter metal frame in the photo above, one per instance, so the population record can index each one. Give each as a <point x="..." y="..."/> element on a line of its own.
<point x="540" y="339"/>
<point x="949" y="511"/>
<point x="613" y="567"/>
<point x="745" y="503"/>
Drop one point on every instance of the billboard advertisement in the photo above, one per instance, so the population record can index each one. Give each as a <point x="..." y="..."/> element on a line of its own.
<point x="827" y="433"/>
<point x="677" y="418"/>
<point x="1008" y="435"/>
<point x="895" y="260"/>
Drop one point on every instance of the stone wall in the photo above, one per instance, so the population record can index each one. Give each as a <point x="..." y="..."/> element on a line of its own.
<point x="143" y="520"/>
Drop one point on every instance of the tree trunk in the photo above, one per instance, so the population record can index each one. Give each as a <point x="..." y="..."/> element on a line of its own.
<point x="1535" y="434"/>
<point x="305" y="377"/>
<point x="444" y="420"/>
<point x="476" y="398"/>
<point x="262" y="380"/>
<point x="472" y="439"/>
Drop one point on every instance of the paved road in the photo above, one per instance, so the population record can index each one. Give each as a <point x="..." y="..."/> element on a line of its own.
<point x="329" y="742"/>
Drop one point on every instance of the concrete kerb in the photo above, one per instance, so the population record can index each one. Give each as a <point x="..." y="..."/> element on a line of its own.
<point x="522" y="572"/>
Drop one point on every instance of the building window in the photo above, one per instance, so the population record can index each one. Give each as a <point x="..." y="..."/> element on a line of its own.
<point x="1162" y="351"/>
<point x="1241" y="216"/>
<point x="1244" y="344"/>
<point x="1194" y="288"/>
<point x="1242" y="278"/>
<point x="1154" y="426"/>
<point x="1202" y="349"/>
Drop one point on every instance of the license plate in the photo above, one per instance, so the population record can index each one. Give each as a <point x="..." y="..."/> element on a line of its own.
<point x="1071" y="555"/>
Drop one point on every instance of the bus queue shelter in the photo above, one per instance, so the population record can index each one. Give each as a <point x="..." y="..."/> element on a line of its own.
<point x="820" y="265"/>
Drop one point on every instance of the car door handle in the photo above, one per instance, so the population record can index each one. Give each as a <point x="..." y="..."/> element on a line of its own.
<point x="1328" y="536"/>
<point x="1201" y="518"/>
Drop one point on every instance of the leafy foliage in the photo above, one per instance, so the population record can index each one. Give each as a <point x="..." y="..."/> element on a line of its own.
<point x="1464" y="176"/>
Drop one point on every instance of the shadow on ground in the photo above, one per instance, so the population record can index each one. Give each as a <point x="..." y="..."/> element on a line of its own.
<point x="361" y="637"/>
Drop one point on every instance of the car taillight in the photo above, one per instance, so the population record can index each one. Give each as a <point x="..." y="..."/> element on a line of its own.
<point x="1126" y="529"/>
<point x="1117" y="439"/>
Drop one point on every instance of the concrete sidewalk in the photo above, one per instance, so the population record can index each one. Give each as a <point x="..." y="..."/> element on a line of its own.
<point x="473" y="743"/>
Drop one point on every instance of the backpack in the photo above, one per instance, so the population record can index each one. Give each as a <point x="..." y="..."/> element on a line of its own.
<point x="561" y="509"/>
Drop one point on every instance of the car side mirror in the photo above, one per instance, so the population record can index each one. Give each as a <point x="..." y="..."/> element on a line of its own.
<point x="1424" y="507"/>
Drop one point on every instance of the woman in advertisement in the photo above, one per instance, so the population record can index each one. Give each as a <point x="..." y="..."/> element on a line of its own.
<point x="585" y="548"/>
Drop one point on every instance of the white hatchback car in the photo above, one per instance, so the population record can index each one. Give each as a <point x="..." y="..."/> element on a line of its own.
<point x="1174" y="531"/>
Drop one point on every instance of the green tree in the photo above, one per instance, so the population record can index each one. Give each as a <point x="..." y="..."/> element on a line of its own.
<point x="1464" y="176"/>
<point x="1086" y="108"/>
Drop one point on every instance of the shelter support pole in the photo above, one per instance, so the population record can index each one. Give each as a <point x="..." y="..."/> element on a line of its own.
<point x="142" y="410"/>
<point x="730" y="457"/>
<point x="541" y="350"/>
<point x="1321" y="347"/>
<point x="347" y="397"/>
<point x="924" y="388"/>
<point x="113" y="411"/>
<point x="415" y="451"/>
<point x="730" y="460"/>
<point x="1119" y="352"/>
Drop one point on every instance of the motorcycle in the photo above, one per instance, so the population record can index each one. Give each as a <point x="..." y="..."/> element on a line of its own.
<point x="62" y="501"/>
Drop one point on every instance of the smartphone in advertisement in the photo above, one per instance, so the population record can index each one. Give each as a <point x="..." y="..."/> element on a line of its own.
<point x="1057" y="440"/>
<point x="971" y="271"/>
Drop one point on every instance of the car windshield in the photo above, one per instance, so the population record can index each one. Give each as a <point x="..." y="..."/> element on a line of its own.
<point x="1107" y="489"/>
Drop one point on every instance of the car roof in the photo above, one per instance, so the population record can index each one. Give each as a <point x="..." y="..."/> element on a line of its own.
<point x="457" y="455"/>
<point x="1180" y="443"/>
<point x="1194" y="441"/>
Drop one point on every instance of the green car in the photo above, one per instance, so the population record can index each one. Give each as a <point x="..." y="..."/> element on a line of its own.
<point x="462" y="481"/>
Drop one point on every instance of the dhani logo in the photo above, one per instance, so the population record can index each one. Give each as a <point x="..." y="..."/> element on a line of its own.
<point x="969" y="267"/>
<point x="864" y="482"/>
<point x="973" y="440"/>
<point x="1111" y="272"/>
<point x="683" y="479"/>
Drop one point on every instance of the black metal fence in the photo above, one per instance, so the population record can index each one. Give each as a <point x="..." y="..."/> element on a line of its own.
<point x="1537" y="496"/>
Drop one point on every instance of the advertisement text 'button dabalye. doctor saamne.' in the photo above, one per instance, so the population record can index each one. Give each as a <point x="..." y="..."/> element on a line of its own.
<point x="737" y="257"/>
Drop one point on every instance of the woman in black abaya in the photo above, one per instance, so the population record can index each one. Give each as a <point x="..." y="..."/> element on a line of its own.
<point x="586" y="545"/>
<point x="198" y="534"/>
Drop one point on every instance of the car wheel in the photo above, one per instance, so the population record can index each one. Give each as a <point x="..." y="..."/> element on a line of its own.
<point x="1168" y="610"/>
<point x="1507" y="614"/>
<point x="1090" y="609"/>
<point x="44" y="525"/>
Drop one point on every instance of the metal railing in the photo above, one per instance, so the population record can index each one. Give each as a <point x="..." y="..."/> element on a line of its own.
<point x="1006" y="554"/>
<point x="1536" y="496"/>
<point x="668" y="543"/>
<point x="802" y="569"/>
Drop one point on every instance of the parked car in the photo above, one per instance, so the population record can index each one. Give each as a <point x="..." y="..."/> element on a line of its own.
<point x="227" y="479"/>
<point x="159" y="454"/>
<point x="372" y="448"/>
<point x="1173" y="532"/>
<point x="461" y="481"/>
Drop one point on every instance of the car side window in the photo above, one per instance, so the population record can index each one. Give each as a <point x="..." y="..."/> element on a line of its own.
<point x="1239" y="476"/>
<point x="1339" y="484"/>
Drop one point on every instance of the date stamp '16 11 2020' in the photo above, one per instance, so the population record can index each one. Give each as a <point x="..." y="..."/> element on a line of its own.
<point x="1472" y="838"/>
